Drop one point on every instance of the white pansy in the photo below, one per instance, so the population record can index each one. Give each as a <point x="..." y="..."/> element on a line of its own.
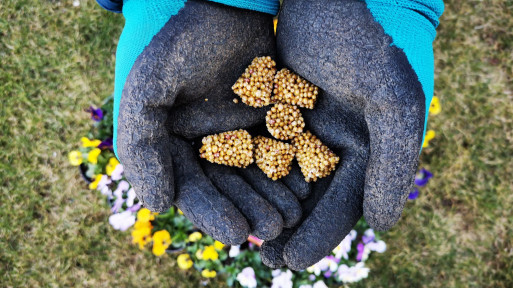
<point x="117" y="173"/>
<point x="122" y="221"/>
<point x="234" y="251"/>
<point x="247" y="277"/>
<point x="343" y="249"/>
<point x="352" y="274"/>
<point x="130" y="197"/>
<point x="282" y="279"/>
<point x="379" y="246"/>
<point x="320" y="284"/>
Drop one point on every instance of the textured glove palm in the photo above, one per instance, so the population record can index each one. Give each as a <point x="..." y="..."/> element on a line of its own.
<point x="371" y="112"/>
<point x="171" y="64"/>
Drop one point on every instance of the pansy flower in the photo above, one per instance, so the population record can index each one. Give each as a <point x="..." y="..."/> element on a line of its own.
<point x="422" y="178"/>
<point x="122" y="187"/>
<point x="430" y="135"/>
<point x="161" y="240"/>
<point x="106" y="144"/>
<point x="435" y="108"/>
<point x="282" y="279"/>
<point x="210" y="253"/>
<point x="141" y="234"/>
<point x="342" y="250"/>
<point x="352" y="274"/>
<point x="145" y="215"/>
<point x="96" y="113"/>
<point x="122" y="221"/>
<point x="86" y="143"/>
<point x="234" y="251"/>
<point x="218" y="245"/>
<point x="195" y="236"/>
<point x="93" y="185"/>
<point x="184" y="261"/>
<point x="247" y="278"/>
<point x="320" y="284"/>
<point x="208" y="273"/>
<point x="92" y="156"/>
<point x="368" y="236"/>
<point x="75" y="158"/>
<point x="130" y="197"/>
<point x="414" y="195"/>
<point x="113" y="162"/>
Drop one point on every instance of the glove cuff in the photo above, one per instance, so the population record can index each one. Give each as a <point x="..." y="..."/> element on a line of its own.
<point x="411" y="25"/>
<point x="264" y="6"/>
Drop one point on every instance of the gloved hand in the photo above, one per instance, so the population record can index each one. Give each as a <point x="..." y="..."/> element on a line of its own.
<point x="373" y="61"/>
<point x="181" y="58"/>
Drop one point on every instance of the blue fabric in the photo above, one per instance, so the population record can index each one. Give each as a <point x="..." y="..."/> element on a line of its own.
<point x="266" y="6"/>
<point x="411" y="24"/>
<point x="111" y="5"/>
<point x="143" y="20"/>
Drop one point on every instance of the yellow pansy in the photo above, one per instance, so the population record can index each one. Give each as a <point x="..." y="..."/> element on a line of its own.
<point x="208" y="273"/>
<point x="113" y="162"/>
<point x="145" y="215"/>
<point x="184" y="261"/>
<point x="161" y="240"/>
<point x="435" y="107"/>
<point x="93" y="185"/>
<point x="141" y="235"/>
<point x="218" y="245"/>
<point x="180" y="212"/>
<point x="430" y="134"/>
<point x="199" y="254"/>
<point x="142" y="224"/>
<point x="210" y="253"/>
<point x="75" y="158"/>
<point x="92" y="156"/>
<point x="89" y="143"/>
<point x="195" y="236"/>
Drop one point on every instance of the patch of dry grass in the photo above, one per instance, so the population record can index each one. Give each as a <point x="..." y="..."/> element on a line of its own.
<point x="56" y="60"/>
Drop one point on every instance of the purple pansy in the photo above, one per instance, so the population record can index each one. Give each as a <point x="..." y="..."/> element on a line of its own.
<point x="135" y="208"/>
<point x="96" y="114"/>
<point x="368" y="236"/>
<point x="106" y="144"/>
<point x="361" y="248"/>
<point x="413" y="195"/>
<point x="328" y="274"/>
<point x="422" y="178"/>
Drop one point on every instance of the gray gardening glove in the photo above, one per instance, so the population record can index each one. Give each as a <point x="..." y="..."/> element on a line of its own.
<point x="371" y="112"/>
<point x="179" y="90"/>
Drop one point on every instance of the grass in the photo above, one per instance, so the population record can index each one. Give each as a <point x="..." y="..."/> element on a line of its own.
<point x="56" y="60"/>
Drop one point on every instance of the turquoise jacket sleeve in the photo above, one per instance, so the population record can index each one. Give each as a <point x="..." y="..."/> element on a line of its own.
<point x="266" y="6"/>
<point x="411" y="24"/>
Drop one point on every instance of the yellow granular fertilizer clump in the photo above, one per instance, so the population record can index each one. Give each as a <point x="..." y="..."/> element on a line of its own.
<point x="284" y="121"/>
<point x="315" y="159"/>
<point x="233" y="148"/>
<point x="291" y="89"/>
<point x="255" y="86"/>
<point x="273" y="157"/>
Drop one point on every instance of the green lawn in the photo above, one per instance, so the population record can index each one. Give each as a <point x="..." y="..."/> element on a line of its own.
<point x="57" y="59"/>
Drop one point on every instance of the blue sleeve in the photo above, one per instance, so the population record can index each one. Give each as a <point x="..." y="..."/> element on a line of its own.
<point x="265" y="6"/>
<point x="111" y="5"/>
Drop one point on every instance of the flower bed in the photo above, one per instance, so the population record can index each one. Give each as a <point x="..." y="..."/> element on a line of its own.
<point x="173" y="234"/>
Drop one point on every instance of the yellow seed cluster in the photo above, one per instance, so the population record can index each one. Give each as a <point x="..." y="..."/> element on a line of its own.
<point x="273" y="157"/>
<point x="315" y="159"/>
<point x="291" y="89"/>
<point x="255" y="86"/>
<point x="233" y="148"/>
<point x="284" y="121"/>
